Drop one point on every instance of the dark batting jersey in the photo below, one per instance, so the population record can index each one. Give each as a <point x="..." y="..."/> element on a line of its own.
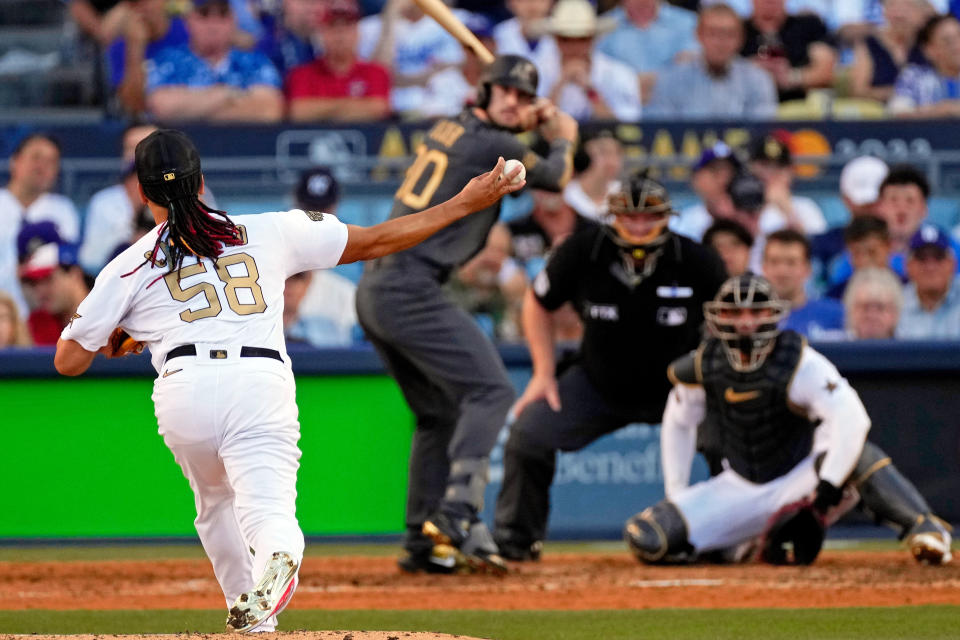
<point x="631" y="333"/>
<point x="454" y="152"/>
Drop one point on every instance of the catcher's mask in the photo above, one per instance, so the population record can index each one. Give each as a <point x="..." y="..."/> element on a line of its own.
<point x="507" y="71"/>
<point x="638" y="215"/>
<point x="745" y="315"/>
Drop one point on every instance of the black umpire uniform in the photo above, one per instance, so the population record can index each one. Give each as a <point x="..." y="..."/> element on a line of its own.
<point x="450" y="374"/>
<point x="634" y="326"/>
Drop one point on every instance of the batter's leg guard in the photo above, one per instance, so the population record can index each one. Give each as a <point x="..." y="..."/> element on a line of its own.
<point x="658" y="535"/>
<point x="893" y="499"/>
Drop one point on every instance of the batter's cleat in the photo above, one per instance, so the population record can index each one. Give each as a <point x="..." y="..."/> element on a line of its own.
<point x="428" y="562"/>
<point x="520" y="552"/>
<point x="929" y="542"/>
<point x="447" y="529"/>
<point x="468" y="542"/>
<point x="268" y="597"/>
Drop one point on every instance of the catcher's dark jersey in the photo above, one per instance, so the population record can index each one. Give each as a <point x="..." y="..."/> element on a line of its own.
<point x="453" y="152"/>
<point x="631" y="332"/>
<point x="749" y="413"/>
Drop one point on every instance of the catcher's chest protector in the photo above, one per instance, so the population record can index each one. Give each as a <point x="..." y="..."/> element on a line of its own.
<point x="754" y="425"/>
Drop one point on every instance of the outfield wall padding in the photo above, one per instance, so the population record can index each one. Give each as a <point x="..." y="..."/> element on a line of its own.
<point x="83" y="458"/>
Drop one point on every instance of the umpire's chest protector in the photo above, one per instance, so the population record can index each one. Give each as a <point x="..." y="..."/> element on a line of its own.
<point x="758" y="431"/>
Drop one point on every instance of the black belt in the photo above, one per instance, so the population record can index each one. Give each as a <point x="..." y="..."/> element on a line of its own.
<point x="221" y="354"/>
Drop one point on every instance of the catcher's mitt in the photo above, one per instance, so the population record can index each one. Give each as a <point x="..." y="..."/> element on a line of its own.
<point x="798" y="525"/>
<point x="120" y="344"/>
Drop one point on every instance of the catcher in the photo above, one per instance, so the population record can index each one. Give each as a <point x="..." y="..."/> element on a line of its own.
<point x="791" y="434"/>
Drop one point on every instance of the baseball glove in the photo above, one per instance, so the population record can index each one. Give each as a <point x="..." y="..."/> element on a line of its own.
<point x="120" y="344"/>
<point x="798" y="525"/>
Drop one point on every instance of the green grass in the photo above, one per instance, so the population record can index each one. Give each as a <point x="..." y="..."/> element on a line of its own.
<point x="793" y="624"/>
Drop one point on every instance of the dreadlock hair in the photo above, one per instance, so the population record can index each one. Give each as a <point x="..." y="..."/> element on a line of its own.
<point x="191" y="226"/>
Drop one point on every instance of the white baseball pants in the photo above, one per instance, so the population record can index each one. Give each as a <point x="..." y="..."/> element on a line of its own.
<point x="232" y="427"/>
<point x="727" y="509"/>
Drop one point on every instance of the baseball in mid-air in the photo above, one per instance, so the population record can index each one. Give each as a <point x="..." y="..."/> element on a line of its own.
<point x="512" y="164"/>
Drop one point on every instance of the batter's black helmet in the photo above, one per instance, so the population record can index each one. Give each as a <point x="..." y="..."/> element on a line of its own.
<point x="507" y="71"/>
<point x="747" y="340"/>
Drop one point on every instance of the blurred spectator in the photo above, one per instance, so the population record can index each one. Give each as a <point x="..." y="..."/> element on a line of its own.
<point x="490" y="287"/>
<point x="53" y="284"/>
<point x="413" y="46"/>
<point x="209" y="79"/>
<point x="931" y="301"/>
<point x="147" y="29"/>
<point x="903" y="204"/>
<point x="860" y="182"/>
<point x="551" y="220"/>
<point x="34" y="167"/>
<point x="872" y="304"/>
<point x="733" y="243"/>
<point x="795" y="49"/>
<point x="13" y="330"/>
<point x="868" y="245"/>
<point x="289" y="37"/>
<point x="448" y="91"/>
<point x="338" y="86"/>
<point x="591" y="85"/>
<point x="318" y="306"/>
<point x="99" y="20"/>
<point x="710" y="178"/>
<point x="932" y="91"/>
<point x="879" y="57"/>
<point x="786" y="264"/>
<point x="522" y="35"/>
<point x="112" y="211"/>
<point x="771" y="161"/>
<point x="597" y="164"/>
<point x="533" y="239"/>
<point x="650" y="35"/>
<point x="719" y="83"/>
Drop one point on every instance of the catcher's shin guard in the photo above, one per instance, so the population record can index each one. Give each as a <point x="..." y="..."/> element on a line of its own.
<point x="886" y="493"/>
<point x="658" y="534"/>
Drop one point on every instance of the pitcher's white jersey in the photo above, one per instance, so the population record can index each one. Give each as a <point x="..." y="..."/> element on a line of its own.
<point x="237" y="300"/>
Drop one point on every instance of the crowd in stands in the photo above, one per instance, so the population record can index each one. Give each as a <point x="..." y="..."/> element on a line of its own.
<point x="889" y="272"/>
<point x="357" y="60"/>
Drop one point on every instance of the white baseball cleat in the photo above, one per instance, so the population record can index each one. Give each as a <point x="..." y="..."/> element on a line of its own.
<point x="268" y="597"/>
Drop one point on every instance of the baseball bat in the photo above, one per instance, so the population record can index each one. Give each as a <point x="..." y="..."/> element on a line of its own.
<point x="440" y="12"/>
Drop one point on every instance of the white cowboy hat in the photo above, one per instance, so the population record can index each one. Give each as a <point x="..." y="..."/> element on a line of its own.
<point x="575" y="19"/>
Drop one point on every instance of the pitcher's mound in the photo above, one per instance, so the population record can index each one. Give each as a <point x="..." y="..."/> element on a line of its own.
<point x="280" y="635"/>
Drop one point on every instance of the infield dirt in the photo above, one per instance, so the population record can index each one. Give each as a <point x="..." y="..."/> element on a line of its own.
<point x="559" y="581"/>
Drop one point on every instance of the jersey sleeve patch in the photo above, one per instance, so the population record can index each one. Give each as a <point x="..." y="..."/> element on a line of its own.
<point x="316" y="216"/>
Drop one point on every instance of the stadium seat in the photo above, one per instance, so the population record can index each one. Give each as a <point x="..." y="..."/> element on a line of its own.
<point x="858" y="109"/>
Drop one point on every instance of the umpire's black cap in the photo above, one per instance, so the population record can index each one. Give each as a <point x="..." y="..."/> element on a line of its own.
<point x="165" y="156"/>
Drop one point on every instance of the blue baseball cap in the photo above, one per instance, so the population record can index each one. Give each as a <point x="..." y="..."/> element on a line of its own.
<point x="929" y="235"/>
<point x="34" y="235"/>
<point x="46" y="258"/>
<point x="719" y="151"/>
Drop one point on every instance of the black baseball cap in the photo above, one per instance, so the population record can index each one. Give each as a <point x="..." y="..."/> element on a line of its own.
<point x="317" y="190"/>
<point x="166" y="156"/>
<point x="771" y="148"/>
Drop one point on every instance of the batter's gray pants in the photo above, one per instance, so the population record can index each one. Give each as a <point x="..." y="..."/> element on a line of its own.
<point x="449" y="372"/>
